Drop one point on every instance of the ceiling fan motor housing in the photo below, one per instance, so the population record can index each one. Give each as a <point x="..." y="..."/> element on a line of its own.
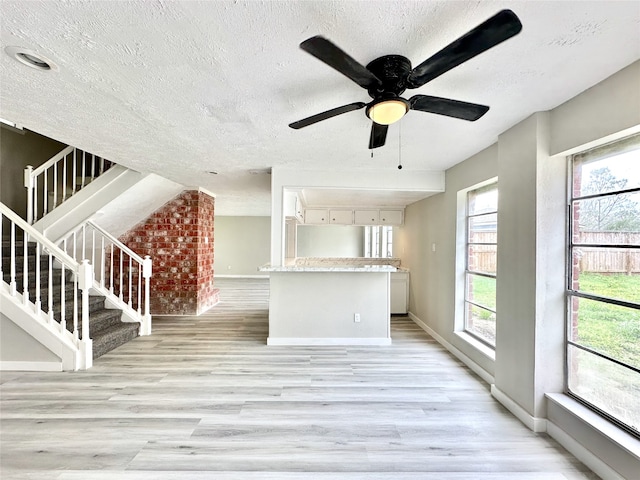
<point x="393" y="71"/>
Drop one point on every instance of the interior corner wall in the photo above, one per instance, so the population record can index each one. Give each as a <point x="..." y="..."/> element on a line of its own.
<point x="242" y="245"/>
<point x="429" y="224"/>
<point x="17" y="150"/>
<point x="179" y="238"/>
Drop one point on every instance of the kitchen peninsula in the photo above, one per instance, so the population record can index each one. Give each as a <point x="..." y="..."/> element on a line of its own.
<point x="329" y="304"/>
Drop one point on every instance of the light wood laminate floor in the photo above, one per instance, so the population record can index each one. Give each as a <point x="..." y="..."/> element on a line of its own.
<point x="205" y="398"/>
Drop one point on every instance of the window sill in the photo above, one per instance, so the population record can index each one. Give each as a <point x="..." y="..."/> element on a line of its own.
<point x="485" y="350"/>
<point x="614" y="434"/>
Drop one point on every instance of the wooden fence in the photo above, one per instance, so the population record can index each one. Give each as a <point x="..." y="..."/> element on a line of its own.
<point x="592" y="259"/>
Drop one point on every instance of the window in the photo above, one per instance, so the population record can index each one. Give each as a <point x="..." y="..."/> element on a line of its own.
<point x="603" y="321"/>
<point x="480" y="269"/>
<point x="378" y="242"/>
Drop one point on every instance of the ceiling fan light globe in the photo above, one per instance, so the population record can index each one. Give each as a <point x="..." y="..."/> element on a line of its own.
<point x="387" y="112"/>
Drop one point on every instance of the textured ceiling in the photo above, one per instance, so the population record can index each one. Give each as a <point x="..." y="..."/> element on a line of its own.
<point x="183" y="88"/>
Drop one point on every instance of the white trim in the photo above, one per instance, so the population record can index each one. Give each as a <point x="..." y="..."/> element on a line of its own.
<point x="309" y="341"/>
<point x="600" y="468"/>
<point x="240" y="276"/>
<point x="25" y="366"/>
<point x="536" y="424"/>
<point x="481" y="372"/>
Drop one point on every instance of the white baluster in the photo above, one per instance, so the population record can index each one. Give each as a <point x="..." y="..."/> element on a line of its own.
<point x="93" y="166"/>
<point x="84" y="169"/>
<point x="28" y="183"/>
<point x="64" y="178"/>
<point x="63" y="294"/>
<point x="38" y="301"/>
<point x="45" y="194"/>
<point x="75" y="307"/>
<point x="12" y="282"/>
<point x="50" y="285"/>
<point x="139" y="288"/>
<point x="74" y="171"/>
<point x="120" y="272"/>
<point x="25" y="269"/>
<point x="101" y="166"/>
<point x="111" y="272"/>
<point x="130" y="278"/>
<point x="55" y="185"/>
<point x="102" y="260"/>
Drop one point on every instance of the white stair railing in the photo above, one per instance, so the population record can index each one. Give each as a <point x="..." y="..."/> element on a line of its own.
<point x="59" y="178"/>
<point x="43" y="274"/>
<point x="122" y="275"/>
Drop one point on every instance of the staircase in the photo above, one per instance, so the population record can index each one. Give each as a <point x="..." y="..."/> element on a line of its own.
<point x="57" y="288"/>
<point x="70" y="289"/>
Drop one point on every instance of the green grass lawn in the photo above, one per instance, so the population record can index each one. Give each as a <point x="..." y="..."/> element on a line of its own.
<point x="606" y="328"/>
<point x="612" y="330"/>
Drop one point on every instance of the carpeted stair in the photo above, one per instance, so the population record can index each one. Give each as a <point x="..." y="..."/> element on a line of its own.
<point x="106" y="328"/>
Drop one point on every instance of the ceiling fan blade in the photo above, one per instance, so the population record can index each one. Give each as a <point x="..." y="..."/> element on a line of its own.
<point x="325" y="115"/>
<point x="448" y="107"/>
<point x="324" y="50"/>
<point x="502" y="26"/>
<point x="378" y="135"/>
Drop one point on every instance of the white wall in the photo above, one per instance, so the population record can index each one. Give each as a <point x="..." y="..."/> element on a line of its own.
<point x="529" y="161"/>
<point x="330" y="241"/>
<point x="241" y="245"/>
<point x="17" y="346"/>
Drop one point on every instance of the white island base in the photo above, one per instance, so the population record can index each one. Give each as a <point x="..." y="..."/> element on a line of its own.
<point x="321" y="306"/>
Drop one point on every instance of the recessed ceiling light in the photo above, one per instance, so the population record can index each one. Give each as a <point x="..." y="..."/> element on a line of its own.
<point x="30" y="58"/>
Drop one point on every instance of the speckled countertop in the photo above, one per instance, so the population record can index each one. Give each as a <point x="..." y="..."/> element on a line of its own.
<point x="327" y="268"/>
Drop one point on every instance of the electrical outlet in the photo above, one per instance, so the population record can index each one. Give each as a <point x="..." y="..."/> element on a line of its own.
<point x="356" y="317"/>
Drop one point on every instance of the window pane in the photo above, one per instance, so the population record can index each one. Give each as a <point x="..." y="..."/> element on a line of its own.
<point x="610" y="272"/>
<point x="481" y="290"/>
<point x="482" y="258"/>
<point x="481" y="322"/>
<point x="609" y="329"/>
<point x="483" y="200"/>
<point x="483" y="228"/>
<point x="609" y="174"/>
<point x="610" y="387"/>
<point x="612" y="219"/>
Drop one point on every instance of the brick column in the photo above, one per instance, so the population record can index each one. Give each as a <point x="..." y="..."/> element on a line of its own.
<point x="179" y="237"/>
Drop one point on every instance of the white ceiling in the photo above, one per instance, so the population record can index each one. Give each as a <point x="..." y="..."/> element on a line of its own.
<point x="182" y="88"/>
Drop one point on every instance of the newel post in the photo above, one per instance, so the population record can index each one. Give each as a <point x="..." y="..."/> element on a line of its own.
<point x="28" y="183"/>
<point x="145" y="325"/>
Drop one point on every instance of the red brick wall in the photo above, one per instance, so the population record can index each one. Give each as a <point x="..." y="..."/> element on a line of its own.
<point x="179" y="238"/>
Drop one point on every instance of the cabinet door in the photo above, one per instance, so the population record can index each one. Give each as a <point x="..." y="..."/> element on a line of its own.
<point x="365" y="217"/>
<point x="315" y="216"/>
<point x="399" y="295"/>
<point x="391" y="217"/>
<point x="341" y="217"/>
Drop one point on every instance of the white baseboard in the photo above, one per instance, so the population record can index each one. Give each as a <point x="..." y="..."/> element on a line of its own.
<point x="327" y="342"/>
<point x="598" y="467"/>
<point x="31" y="366"/>
<point x="239" y="276"/>
<point x="535" y="424"/>
<point x="481" y="372"/>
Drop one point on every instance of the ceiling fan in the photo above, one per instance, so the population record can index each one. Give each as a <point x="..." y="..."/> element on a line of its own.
<point x="387" y="77"/>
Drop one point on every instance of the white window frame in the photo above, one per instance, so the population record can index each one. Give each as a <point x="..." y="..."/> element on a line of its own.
<point x="573" y="293"/>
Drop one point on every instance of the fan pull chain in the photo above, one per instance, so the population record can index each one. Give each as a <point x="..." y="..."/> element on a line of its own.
<point x="399" y="145"/>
